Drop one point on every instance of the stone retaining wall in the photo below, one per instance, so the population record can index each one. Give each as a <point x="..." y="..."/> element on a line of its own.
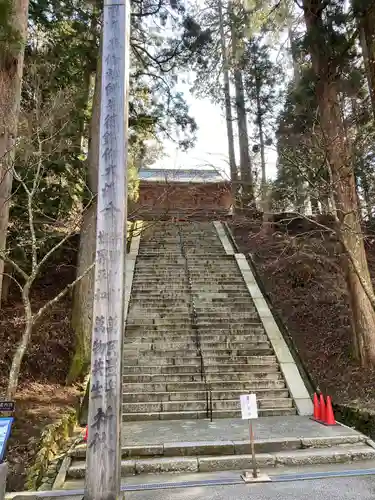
<point x="362" y="420"/>
<point x="55" y="441"/>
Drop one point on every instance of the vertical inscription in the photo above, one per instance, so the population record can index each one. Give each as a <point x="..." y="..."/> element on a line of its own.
<point x="105" y="361"/>
<point x="103" y="450"/>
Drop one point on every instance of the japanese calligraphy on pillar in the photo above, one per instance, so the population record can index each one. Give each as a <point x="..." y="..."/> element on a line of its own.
<point x="104" y="421"/>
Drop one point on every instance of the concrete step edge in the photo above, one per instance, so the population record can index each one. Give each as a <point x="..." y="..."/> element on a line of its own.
<point x="230" y="447"/>
<point x="202" y="414"/>
<point x="234" y="462"/>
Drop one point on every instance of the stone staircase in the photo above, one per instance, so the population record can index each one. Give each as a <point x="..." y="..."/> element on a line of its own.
<point x="193" y="339"/>
<point x="193" y="343"/>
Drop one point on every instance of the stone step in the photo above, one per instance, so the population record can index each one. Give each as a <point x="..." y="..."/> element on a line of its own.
<point x="159" y="331"/>
<point x="229" y="305"/>
<point x="248" y="387"/>
<point x="160" y="262"/>
<point x="174" y="283"/>
<point x="215" y="278"/>
<point x="158" y="314"/>
<point x="190" y="335"/>
<point x="204" y="334"/>
<point x="201" y="405"/>
<point x="240" y="447"/>
<point x="226" y="314"/>
<point x="215" y="463"/>
<point x="241" y="297"/>
<point x="161" y="286"/>
<point x="188" y="365"/>
<point x="165" y="295"/>
<point x="189" y="349"/>
<point x="211" y="287"/>
<point x="261" y="373"/>
<point x="192" y="415"/>
<point x="172" y="249"/>
<point x="169" y="321"/>
<point x="159" y="298"/>
<point x="158" y="305"/>
<point x="178" y="271"/>
<point x="235" y="324"/>
<point x="155" y="279"/>
<point x="211" y="363"/>
<point x="159" y="265"/>
<point x="215" y="353"/>
<point x="254" y="328"/>
<point x="192" y="367"/>
<point x="145" y="397"/>
<point x="219" y="265"/>
<point x="190" y="343"/>
<point x="211" y="312"/>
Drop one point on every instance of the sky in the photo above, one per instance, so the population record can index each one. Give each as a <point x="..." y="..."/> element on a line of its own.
<point x="211" y="147"/>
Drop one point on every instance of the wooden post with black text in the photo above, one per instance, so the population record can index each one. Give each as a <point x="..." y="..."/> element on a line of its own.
<point x="249" y="411"/>
<point x="103" y="459"/>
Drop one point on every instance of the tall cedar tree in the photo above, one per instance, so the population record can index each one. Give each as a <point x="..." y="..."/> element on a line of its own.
<point x="326" y="51"/>
<point x="13" y="26"/>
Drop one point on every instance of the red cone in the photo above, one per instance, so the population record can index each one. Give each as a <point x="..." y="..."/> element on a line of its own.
<point x="316" y="407"/>
<point x="330" y="417"/>
<point x="322" y="409"/>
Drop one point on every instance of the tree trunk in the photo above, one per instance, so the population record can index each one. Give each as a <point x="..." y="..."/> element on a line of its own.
<point x="84" y="292"/>
<point x="314" y="205"/>
<point x="263" y="183"/>
<point x="15" y="369"/>
<point x="296" y="67"/>
<point x="89" y="76"/>
<point x="247" y="182"/>
<point x="366" y="195"/>
<point x="228" y="104"/>
<point x="366" y="27"/>
<point x="361" y="170"/>
<point x="11" y="68"/>
<point x="6" y="283"/>
<point x="360" y="291"/>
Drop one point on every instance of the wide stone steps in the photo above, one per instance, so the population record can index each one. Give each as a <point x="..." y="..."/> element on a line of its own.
<point x="171" y="389"/>
<point x="187" y="365"/>
<point x="194" y="414"/>
<point x="159" y="387"/>
<point x="155" y="250"/>
<point x="144" y="345"/>
<point x="213" y="364"/>
<point x="258" y="373"/>
<point x="222" y="347"/>
<point x="172" y="350"/>
<point x="145" y="397"/>
<point x="231" y="455"/>
<point x="185" y="331"/>
<point x="202" y="324"/>
<point x="201" y="404"/>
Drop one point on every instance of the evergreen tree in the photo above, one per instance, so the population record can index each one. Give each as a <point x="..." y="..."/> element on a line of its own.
<point x="329" y="47"/>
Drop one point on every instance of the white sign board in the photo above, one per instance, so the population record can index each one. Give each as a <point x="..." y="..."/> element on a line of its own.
<point x="249" y="407"/>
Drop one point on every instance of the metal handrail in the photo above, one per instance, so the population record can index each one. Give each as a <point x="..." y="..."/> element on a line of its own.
<point x="194" y="324"/>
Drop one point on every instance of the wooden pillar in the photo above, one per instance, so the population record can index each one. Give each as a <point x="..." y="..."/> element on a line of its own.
<point x="103" y="459"/>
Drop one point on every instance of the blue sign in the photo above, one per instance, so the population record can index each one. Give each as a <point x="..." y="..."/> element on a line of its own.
<point x="5" y="427"/>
